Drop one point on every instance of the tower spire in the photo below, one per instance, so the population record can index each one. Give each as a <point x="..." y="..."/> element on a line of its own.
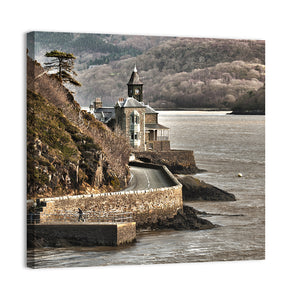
<point x="135" y="86"/>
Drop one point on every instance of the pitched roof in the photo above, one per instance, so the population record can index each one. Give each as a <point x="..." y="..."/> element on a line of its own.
<point x="130" y="102"/>
<point x="105" y="113"/>
<point x="150" y="110"/>
<point x="155" y="126"/>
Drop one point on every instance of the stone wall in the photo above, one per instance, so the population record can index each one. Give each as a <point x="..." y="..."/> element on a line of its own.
<point x="177" y="161"/>
<point x="151" y="118"/>
<point x="146" y="206"/>
<point x="82" y="234"/>
<point x="123" y="118"/>
<point x="160" y="145"/>
<point x="126" y="233"/>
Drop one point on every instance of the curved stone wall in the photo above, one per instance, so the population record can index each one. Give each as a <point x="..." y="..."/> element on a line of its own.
<point x="146" y="206"/>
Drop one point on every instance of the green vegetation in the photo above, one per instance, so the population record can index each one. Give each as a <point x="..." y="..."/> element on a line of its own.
<point x="105" y="59"/>
<point x="97" y="44"/>
<point x="54" y="131"/>
<point x="115" y="182"/>
<point x="54" y="148"/>
<point x="91" y="49"/>
<point x="68" y="150"/>
<point x="64" y="63"/>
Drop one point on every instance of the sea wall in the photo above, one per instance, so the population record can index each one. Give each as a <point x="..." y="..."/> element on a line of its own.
<point x="81" y="234"/>
<point x="159" y="145"/>
<point x="177" y="161"/>
<point x="146" y="206"/>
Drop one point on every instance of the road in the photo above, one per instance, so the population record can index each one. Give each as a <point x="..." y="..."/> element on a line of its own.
<point x="145" y="178"/>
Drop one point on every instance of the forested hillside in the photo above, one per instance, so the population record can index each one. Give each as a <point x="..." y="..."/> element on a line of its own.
<point x="176" y="72"/>
<point x="182" y="72"/>
<point x="90" y="49"/>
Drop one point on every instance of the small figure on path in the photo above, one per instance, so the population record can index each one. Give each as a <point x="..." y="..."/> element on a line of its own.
<point x="80" y="215"/>
<point x="31" y="216"/>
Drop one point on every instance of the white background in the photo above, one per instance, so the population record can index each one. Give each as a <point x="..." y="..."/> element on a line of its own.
<point x="274" y="21"/>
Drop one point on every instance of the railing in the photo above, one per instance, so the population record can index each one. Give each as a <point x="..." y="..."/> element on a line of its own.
<point x="75" y="217"/>
<point x="162" y="138"/>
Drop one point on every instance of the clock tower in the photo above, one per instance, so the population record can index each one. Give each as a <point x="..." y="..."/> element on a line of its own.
<point x="135" y="86"/>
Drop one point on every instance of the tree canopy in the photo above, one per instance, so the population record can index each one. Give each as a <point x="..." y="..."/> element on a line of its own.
<point x="64" y="63"/>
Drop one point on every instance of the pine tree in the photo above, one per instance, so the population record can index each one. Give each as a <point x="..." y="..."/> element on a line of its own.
<point x="64" y="64"/>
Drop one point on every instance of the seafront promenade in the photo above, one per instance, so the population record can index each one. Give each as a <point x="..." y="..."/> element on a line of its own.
<point x="113" y="214"/>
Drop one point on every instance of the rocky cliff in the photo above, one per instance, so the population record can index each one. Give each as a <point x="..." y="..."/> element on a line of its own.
<point x="68" y="150"/>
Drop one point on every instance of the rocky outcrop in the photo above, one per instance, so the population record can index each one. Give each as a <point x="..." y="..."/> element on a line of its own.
<point x="68" y="150"/>
<point x="186" y="219"/>
<point x="194" y="189"/>
<point x="60" y="158"/>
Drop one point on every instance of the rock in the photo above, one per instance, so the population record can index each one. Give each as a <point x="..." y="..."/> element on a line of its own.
<point x="194" y="189"/>
<point x="186" y="219"/>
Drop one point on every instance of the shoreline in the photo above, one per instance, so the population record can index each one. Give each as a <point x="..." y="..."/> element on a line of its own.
<point x="186" y="219"/>
<point x="247" y="113"/>
<point x="191" y="109"/>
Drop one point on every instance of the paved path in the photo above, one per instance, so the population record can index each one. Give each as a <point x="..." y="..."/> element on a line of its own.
<point x="145" y="178"/>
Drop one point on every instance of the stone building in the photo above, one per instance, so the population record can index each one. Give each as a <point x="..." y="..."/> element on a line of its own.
<point x="136" y="120"/>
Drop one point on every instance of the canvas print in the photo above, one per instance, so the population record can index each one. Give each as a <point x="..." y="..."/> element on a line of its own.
<point x="144" y="149"/>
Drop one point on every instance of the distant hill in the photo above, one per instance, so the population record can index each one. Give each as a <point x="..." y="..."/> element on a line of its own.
<point x="90" y="49"/>
<point x="182" y="72"/>
<point x="68" y="150"/>
<point x="176" y="72"/>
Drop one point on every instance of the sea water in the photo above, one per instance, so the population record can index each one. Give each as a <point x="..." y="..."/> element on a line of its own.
<point x="224" y="145"/>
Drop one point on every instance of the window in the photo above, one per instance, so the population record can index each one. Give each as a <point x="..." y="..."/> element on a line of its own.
<point x="134" y="136"/>
<point x="134" y="117"/>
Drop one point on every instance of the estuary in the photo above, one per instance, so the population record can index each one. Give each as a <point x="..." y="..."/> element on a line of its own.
<point x="224" y="145"/>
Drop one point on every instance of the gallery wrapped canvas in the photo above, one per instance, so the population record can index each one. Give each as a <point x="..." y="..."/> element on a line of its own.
<point x="144" y="149"/>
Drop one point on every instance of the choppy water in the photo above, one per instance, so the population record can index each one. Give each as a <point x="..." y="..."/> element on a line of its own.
<point x="224" y="145"/>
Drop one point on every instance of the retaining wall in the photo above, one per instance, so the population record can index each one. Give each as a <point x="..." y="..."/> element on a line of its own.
<point x="178" y="161"/>
<point x="146" y="206"/>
